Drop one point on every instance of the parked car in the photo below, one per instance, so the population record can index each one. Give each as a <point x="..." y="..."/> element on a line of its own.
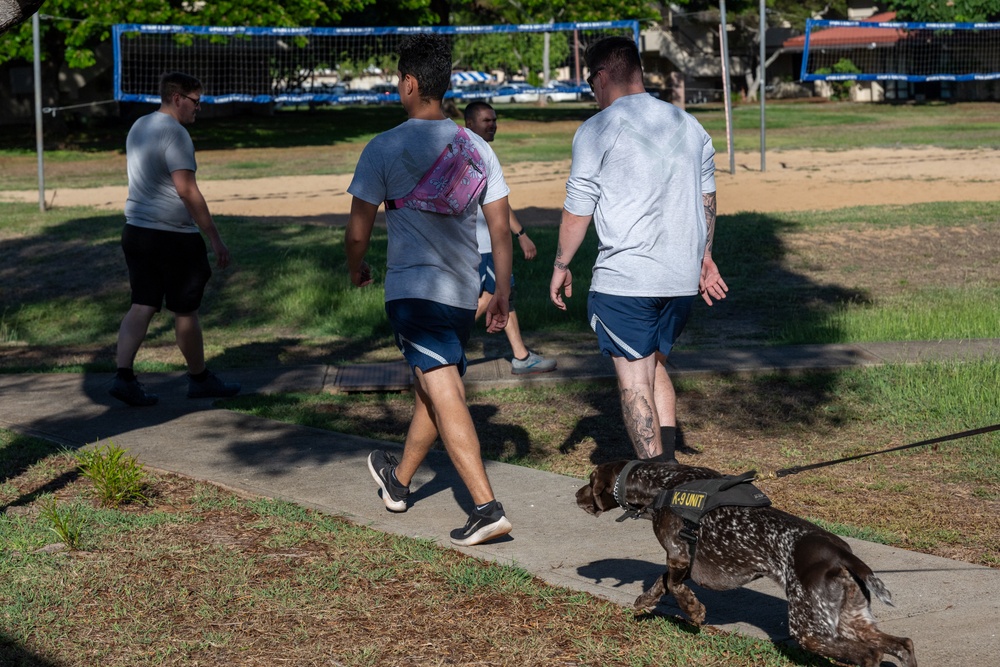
<point x="387" y="93"/>
<point x="514" y="92"/>
<point x="562" y="91"/>
<point x="472" y="92"/>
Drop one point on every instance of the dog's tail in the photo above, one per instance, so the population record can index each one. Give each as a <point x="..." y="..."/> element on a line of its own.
<point x="876" y="586"/>
<point x="868" y="579"/>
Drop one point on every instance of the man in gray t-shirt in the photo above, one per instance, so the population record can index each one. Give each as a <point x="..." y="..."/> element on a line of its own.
<point x="644" y="172"/>
<point x="167" y="260"/>
<point x="431" y="282"/>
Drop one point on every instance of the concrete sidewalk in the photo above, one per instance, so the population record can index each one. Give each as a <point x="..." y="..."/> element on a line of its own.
<point x="949" y="608"/>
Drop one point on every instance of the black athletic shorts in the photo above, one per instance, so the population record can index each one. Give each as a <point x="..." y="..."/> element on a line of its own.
<point x="171" y="266"/>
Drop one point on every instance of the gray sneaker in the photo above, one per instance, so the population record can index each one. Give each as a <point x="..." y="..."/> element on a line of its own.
<point x="535" y="363"/>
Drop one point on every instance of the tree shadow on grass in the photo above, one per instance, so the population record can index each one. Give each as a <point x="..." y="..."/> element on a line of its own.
<point x="12" y="654"/>
<point x="764" y="295"/>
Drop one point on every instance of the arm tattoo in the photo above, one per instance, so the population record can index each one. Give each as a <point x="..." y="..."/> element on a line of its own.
<point x="638" y="416"/>
<point x="708" y="199"/>
<point x="559" y="264"/>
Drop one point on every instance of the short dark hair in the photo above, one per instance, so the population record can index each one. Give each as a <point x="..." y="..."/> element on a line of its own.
<point x="618" y="56"/>
<point x="177" y="82"/>
<point x="427" y="58"/>
<point x="473" y="108"/>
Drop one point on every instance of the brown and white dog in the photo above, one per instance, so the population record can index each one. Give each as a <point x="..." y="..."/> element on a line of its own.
<point x="827" y="586"/>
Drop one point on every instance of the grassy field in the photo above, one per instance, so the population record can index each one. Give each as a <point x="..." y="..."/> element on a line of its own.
<point x="288" y="297"/>
<point x="329" y="140"/>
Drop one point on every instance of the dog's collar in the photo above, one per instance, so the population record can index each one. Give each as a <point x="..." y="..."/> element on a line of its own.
<point x="631" y="511"/>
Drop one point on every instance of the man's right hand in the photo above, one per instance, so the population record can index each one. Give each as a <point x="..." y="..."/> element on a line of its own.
<point x="363" y="276"/>
<point x="560" y="285"/>
<point x="222" y="256"/>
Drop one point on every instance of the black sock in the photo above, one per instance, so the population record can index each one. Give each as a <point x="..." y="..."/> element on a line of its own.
<point x="481" y="509"/>
<point x="200" y="377"/>
<point x="668" y="438"/>
<point x="126" y="374"/>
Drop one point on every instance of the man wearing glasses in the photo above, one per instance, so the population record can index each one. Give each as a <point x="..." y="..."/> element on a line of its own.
<point x="164" y="250"/>
<point x="644" y="171"/>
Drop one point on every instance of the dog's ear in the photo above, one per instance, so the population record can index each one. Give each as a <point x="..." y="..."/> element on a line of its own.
<point x="587" y="498"/>
<point x="599" y="483"/>
<point x="598" y="496"/>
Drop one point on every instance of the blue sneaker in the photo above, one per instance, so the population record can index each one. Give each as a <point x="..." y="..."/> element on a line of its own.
<point x="535" y="363"/>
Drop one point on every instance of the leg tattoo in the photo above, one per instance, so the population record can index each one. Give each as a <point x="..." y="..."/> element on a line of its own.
<point x="639" y="423"/>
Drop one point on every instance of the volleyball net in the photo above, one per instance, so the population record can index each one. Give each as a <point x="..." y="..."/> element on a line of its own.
<point x="900" y="51"/>
<point x="342" y="65"/>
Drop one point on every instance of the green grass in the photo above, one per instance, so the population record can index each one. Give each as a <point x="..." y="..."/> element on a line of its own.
<point x="117" y="476"/>
<point x="928" y="314"/>
<point x="842" y="125"/>
<point x="329" y="140"/>
<point x="289" y="282"/>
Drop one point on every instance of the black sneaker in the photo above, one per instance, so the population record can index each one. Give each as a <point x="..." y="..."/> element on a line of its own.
<point x="131" y="392"/>
<point x="380" y="465"/>
<point x="482" y="527"/>
<point x="212" y="387"/>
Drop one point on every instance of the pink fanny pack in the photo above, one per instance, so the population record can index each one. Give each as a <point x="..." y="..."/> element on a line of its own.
<point x="456" y="178"/>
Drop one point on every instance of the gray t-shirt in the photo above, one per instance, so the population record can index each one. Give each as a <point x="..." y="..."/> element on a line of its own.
<point x="158" y="145"/>
<point x="640" y="168"/>
<point x="430" y="255"/>
<point x="483" y="238"/>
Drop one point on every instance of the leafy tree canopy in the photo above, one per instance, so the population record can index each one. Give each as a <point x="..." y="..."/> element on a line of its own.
<point x="946" y="10"/>
<point x="795" y="12"/>
<point x="83" y="24"/>
<point x="542" y="11"/>
<point x="522" y="52"/>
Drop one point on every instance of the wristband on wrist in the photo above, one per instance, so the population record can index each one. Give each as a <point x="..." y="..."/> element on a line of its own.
<point x="519" y="234"/>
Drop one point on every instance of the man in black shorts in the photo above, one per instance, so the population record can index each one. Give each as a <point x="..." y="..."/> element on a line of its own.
<point x="166" y="255"/>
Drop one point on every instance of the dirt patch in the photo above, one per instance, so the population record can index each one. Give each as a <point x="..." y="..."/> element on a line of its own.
<point x="794" y="180"/>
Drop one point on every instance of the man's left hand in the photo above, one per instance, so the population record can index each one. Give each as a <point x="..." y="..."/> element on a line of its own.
<point x="527" y="246"/>
<point x="711" y="285"/>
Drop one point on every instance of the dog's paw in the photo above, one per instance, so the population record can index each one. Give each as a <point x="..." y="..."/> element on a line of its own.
<point x="697" y="614"/>
<point x="646" y="602"/>
<point x="695" y="610"/>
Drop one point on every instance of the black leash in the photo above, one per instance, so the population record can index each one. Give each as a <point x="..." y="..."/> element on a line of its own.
<point x="945" y="438"/>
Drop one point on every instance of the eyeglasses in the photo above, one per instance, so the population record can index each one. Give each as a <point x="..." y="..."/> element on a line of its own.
<point x="590" y="79"/>
<point x="196" y="100"/>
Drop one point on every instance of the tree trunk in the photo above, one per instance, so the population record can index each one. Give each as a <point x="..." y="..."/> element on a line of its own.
<point x="753" y="76"/>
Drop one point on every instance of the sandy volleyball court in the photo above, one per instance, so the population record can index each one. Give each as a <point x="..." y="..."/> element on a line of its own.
<point x="794" y="180"/>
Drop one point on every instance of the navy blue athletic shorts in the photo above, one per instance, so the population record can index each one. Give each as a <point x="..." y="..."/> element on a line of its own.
<point x="488" y="278"/>
<point x="636" y="327"/>
<point x="430" y="334"/>
<point x="170" y="267"/>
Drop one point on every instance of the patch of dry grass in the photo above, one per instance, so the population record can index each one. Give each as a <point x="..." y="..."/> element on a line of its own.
<point x="200" y="577"/>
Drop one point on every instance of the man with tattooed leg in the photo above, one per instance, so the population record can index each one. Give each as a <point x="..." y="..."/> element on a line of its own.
<point x="644" y="172"/>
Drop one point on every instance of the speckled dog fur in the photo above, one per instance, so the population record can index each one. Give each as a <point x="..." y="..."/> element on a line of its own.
<point x="827" y="586"/>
